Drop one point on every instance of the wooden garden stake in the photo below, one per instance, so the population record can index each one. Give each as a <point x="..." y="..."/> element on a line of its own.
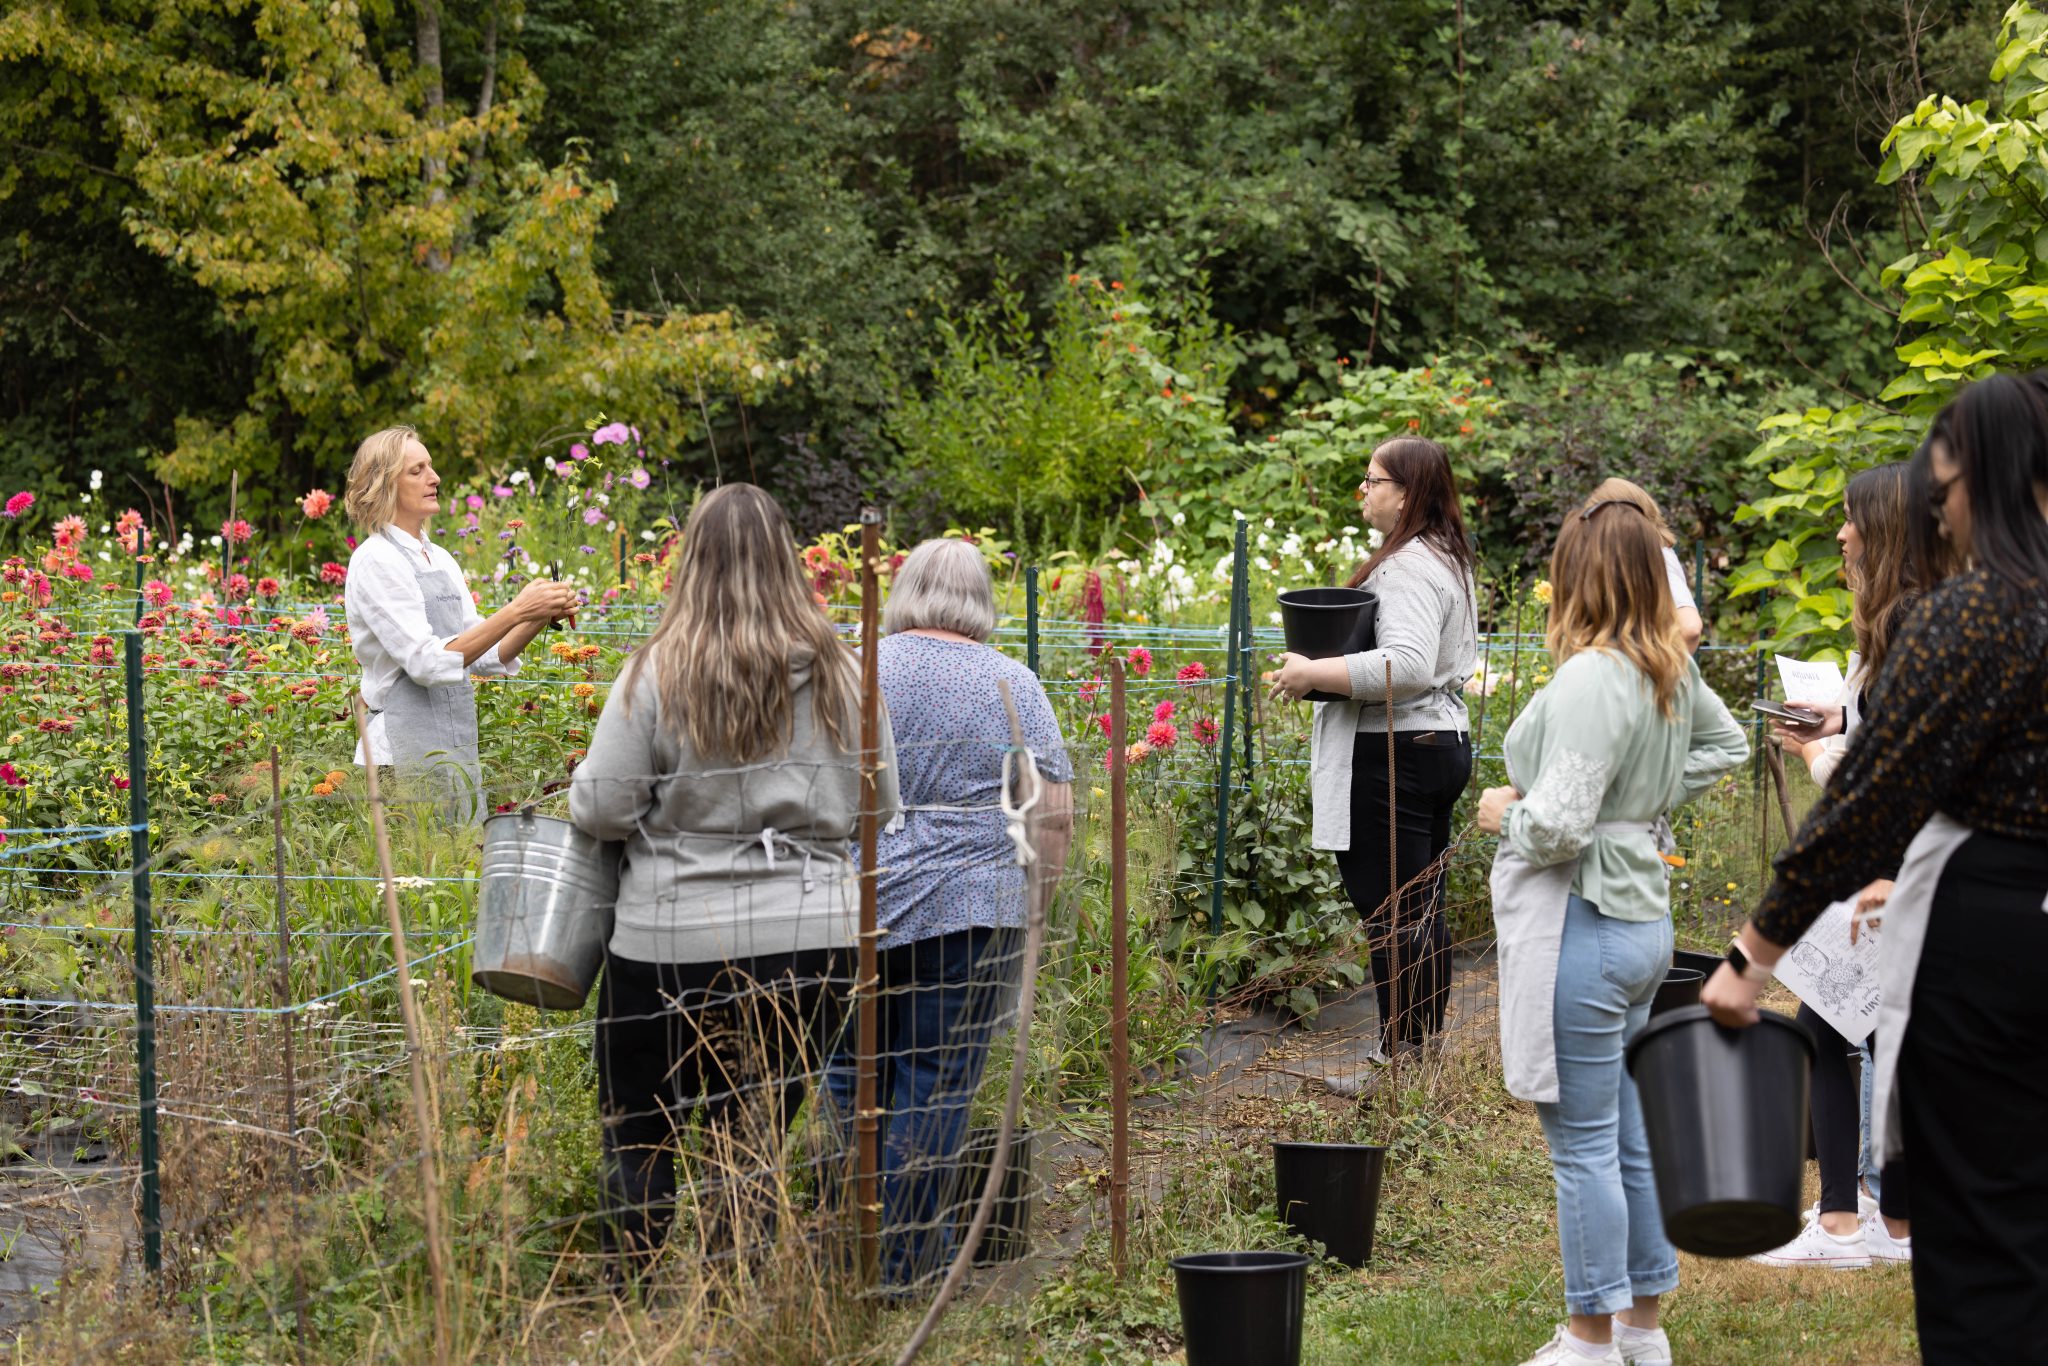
<point x="423" y="1110"/>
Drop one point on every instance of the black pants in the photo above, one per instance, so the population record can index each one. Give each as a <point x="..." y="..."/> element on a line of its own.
<point x="1410" y="938"/>
<point x="737" y="1042"/>
<point x="1838" y="1125"/>
<point x="1973" y="1091"/>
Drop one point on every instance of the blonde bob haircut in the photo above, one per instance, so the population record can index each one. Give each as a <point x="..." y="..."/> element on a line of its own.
<point x="739" y="622"/>
<point x="1608" y="593"/>
<point x="943" y="585"/>
<point x="372" y="495"/>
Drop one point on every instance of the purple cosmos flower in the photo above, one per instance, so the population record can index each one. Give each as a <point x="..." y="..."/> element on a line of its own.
<point x="592" y="516"/>
<point x="639" y="479"/>
<point x="616" y="434"/>
<point x="500" y="491"/>
<point x="474" y="501"/>
<point x="579" y="451"/>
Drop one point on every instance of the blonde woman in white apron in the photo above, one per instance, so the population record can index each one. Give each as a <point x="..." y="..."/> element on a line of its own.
<point x="1623" y="733"/>
<point x="415" y="629"/>
<point x="1948" y="781"/>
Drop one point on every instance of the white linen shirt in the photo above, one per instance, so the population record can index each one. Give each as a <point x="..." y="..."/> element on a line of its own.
<point x="387" y="625"/>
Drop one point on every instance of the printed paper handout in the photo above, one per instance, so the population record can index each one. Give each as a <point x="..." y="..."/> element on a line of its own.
<point x="1809" y="682"/>
<point x="1837" y="978"/>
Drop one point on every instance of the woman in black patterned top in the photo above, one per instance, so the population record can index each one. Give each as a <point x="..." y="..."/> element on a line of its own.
<point x="1949" y="780"/>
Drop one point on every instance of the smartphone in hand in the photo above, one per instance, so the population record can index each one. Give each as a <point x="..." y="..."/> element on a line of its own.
<point x="1788" y="713"/>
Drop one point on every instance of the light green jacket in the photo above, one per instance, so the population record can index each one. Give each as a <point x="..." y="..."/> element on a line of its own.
<point x="1592" y="749"/>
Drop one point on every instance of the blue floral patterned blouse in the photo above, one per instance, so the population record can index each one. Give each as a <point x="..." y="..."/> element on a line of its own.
<point x="951" y="865"/>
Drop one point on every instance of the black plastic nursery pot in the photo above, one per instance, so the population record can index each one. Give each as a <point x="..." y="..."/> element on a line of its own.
<point x="1241" y="1308"/>
<point x="1702" y="963"/>
<point x="1681" y="987"/>
<point x="1008" y="1235"/>
<point x="1320" y="623"/>
<point x="1330" y="1193"/>
<point x="1726" y="1115"/>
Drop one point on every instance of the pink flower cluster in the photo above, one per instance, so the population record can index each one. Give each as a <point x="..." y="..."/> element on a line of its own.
<point x="20" y="503"/>
<point x="316" y="503"/>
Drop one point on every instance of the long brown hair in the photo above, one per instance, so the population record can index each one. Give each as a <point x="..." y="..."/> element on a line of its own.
<point x="1430" y="515"/>
<point x="1608" y="593"/>
<point x="1886" y="576"/>
<point x="739" y="619"/>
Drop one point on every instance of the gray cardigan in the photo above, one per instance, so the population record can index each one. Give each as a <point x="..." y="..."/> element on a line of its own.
<point x="1428" y="630"/>
<point x="724" y="862"/>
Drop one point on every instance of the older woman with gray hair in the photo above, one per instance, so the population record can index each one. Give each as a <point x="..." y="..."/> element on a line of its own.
<point x="950" y="893"/>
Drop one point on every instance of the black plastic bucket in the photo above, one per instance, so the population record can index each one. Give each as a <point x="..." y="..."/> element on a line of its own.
<point x="1241" y="1308"/>
<point x="1330" y="1193"/>
<point x="1008" y="1235"/>
<point x="1320" y="623"/>
<point x="1681" y="987"/>
<point x="1726" y="1114"/>
<point x="1702" y="963"/>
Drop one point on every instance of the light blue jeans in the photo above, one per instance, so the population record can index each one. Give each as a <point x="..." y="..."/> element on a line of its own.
<point x="1608" y="1224"/>
<point x="1865" y="1164"/>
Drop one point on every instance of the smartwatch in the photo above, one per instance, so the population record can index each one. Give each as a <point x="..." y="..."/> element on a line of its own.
<point x="1748" y="971"/>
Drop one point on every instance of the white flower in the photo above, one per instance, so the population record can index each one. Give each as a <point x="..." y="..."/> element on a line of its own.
<point x="516" y="477"/>
<point x="646" y="535"/>
<point x="1269" y="524"/>
<point x="1349" y="531"/>
<point x="1273" y="617"/>
<point x="105" y="555"/>
<point x="412" y="882"/>
<point x="1263" y="538"/>
<point x="547" y="462"/>
<point x="1239" y="516"/>
<point x="1180" y="519"/>
<point x="213" y="541"/>
<point x="97" y="479"/>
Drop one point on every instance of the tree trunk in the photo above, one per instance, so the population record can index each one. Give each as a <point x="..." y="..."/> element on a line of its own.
<point x="433" y="168"/>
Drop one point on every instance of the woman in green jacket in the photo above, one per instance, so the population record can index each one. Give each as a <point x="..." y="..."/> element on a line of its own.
<point x="1623" y="733"/>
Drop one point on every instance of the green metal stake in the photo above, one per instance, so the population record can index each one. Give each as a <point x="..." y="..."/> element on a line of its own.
<point x="1756" y="758"/>
<point x="138" y="589"/>
<point x="1242" y="664"/>
<point x="1230" y="654"/>
<point x="1699" y="577"/>
<point x="145" y="971"/>
<point x="1031" y="618"/>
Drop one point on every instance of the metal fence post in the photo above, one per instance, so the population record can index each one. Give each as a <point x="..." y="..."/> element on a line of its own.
<point x="145" y="970"/>
<point x="1230" y="655"/>
<point x="867" y="1026"/>
<point x="1031" y="618"/>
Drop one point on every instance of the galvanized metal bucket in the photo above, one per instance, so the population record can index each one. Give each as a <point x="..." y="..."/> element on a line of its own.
<point x="543" y="910"/>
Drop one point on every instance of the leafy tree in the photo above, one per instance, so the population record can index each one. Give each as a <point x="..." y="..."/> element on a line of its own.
<point x="387" y="253"/>
<point x="1975" y="293"/>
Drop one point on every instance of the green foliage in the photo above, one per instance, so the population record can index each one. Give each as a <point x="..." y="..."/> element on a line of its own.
<point x="388" y="257"/>
<point x="1055" y="425"/>
<point x="1975" y="294"/>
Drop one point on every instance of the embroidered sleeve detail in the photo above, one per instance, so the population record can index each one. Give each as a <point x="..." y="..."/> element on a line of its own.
<point x="1555" y="820"/>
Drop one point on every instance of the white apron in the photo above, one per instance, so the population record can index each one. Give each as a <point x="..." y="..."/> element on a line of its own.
<point x="1528" y="923"/>
<point x="1898" y="963"/>
<point x="431" y="732"/>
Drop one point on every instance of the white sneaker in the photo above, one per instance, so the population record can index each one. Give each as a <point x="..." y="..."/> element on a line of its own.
<point x="1815" y="1246"/>
<point x="1559" y="1352"/>
<point x="1642" y="1346"/>
<point x="1883" y="1247"/>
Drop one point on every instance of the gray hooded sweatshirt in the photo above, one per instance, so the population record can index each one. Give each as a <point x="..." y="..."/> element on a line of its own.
<point x="725" y="862"/>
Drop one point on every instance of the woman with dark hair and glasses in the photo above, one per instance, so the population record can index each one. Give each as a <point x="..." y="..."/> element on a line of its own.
<point x="1948" y="781"/>
<point x="1428" y="645"/>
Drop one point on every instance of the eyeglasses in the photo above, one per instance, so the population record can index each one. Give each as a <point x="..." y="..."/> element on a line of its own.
<point x="1373" y="481"/>
<point x="1937" y="492"/>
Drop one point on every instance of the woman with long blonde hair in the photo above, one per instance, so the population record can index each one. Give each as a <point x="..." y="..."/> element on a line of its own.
<point x="1625" y="731"/>
<point x="727" y="760"/>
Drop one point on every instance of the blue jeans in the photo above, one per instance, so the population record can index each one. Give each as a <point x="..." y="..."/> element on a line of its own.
<point x="1873" y="1180"/>
<point x="940" y="1003"/>
<point x="1608" y="1224"/>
